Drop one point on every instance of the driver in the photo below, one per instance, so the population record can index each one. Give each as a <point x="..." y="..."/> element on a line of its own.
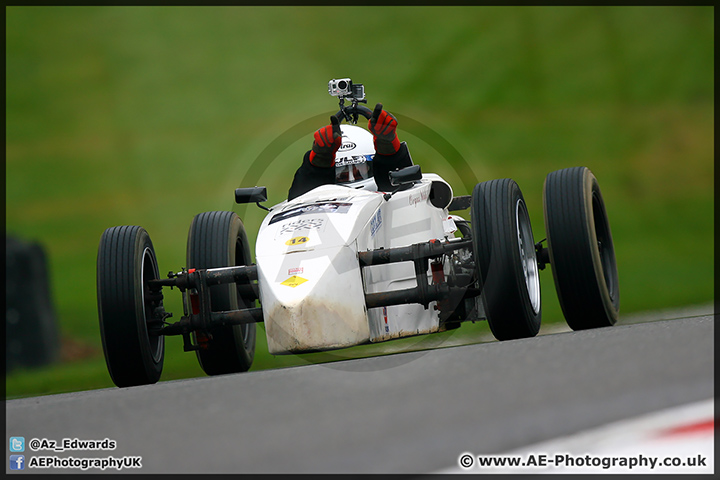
<point x="349" y="153"/>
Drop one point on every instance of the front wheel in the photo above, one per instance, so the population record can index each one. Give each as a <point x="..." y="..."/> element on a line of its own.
<point x="128" y="308"/>
<point x="218" y="239"/>
<point x="581" y="248"/>
<point x="505" y="259"/>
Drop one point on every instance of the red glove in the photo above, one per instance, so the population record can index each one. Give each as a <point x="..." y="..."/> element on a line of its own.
<point x="326" y="144"/>
<point x="382" y="125"/>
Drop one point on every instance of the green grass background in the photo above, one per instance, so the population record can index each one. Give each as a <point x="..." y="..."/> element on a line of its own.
<point x="150" y="115"/>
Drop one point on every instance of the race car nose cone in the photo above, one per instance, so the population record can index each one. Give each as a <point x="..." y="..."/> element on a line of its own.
<point x="317" y="305"/>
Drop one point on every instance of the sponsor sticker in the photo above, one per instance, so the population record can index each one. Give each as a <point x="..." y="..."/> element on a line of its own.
<point x="302" y="224"/>
<point x="449" y="226"/>
<point x="352" y="160"/>
<point x="313" y="208"/>
<point x="375" y="223"/>
<point x="294" y="281"/>
<point x="420" y="197"/>
<point x="297" y="241"/>
<point x="346" y="146"/>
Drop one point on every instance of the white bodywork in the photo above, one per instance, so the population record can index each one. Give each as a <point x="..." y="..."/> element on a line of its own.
<point x="311" y="286"/>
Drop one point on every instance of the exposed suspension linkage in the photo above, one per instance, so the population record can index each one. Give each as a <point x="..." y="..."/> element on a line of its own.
<point x="199" y="317"/>
<point x="420" y="254"/>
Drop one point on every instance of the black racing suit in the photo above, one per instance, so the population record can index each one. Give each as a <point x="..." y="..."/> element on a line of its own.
<point x="308" y="176"/>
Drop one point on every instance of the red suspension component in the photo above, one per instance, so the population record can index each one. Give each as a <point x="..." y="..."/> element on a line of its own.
<point x="194" y="303"/>
<point x="203" y="341"/>
<point x="438" y="276"/>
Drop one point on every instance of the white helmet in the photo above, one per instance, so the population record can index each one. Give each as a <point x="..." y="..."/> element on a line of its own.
<point x="353" y="160"/>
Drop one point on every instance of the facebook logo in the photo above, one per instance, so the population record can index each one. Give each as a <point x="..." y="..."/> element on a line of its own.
<point x="17" y="462"/>
<point x="17" y="444"/>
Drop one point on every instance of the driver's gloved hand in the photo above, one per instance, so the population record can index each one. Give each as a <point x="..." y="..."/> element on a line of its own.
<point x="382" y="125"/>
<point x="326" y="144"/>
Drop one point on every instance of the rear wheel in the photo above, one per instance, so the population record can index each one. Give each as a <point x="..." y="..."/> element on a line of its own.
<point x="127" y="308"/>
<point x="505" y="259"/>
<point x="218" y="239"/>
<point x="581" y="248"/>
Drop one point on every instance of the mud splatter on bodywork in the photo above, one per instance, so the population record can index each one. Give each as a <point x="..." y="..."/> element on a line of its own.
<point x="315" y="324"/>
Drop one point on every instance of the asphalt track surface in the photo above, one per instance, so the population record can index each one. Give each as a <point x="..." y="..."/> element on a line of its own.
<point x="406" y="413"/>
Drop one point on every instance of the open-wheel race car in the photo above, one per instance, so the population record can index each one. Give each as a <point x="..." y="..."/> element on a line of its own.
<point x="346" y="264"/>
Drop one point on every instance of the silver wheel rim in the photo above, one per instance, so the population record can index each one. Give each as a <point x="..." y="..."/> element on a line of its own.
<point x="526" y="247"/>
<point x="156" y="344"/>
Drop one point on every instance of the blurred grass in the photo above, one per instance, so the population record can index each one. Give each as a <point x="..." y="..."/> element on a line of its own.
<point x="150" y="115"/>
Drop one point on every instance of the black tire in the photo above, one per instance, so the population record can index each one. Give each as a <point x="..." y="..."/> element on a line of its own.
<point x="126" y="262"/>
<point x="218" y="239"/>
<point x="581" y="248"/>
<point x="505" y="258"/>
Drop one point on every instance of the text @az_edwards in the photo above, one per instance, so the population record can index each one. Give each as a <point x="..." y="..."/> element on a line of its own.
<point x="70" y="444"/>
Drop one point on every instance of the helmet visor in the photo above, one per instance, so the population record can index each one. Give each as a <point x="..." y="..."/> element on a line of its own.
<point x="353" y="169"/>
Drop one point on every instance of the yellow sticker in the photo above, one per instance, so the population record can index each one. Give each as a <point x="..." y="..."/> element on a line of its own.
<point x="297" y="241"/>
<point x="294" y="281"/>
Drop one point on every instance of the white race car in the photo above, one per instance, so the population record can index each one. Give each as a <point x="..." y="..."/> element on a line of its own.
<point x="346" y="264"/>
